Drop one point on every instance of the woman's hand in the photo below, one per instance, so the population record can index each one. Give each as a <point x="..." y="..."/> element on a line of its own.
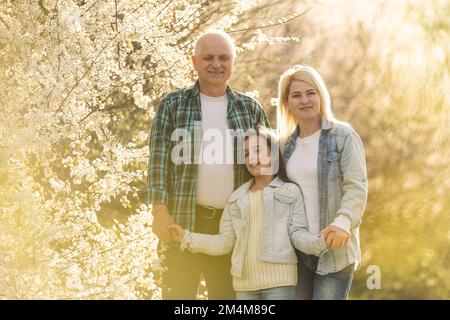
<point x="335" y="237"/>
<point x="176" y="232"/>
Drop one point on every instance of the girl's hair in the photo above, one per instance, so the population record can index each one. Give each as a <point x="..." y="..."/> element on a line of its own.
<point x="286" y="120"/>
<point x="273" y="143"/>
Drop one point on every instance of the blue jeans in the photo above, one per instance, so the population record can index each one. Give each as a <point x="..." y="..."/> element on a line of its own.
<point x="312" y="286"/>
<point x="276" y="293"/>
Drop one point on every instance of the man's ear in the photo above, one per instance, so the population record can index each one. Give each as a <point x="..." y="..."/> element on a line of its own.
<point x="193" y="58"/>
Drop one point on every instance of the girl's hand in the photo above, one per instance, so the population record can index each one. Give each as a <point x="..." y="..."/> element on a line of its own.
<point x="177" y="232"/>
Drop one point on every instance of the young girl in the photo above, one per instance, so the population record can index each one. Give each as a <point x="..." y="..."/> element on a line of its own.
<point x="256" y="223"/>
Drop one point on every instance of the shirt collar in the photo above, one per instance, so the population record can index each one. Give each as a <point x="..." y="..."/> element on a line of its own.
<point x="242" y="190"/>
<point x="231" y="95"/>
<point x="276" y="183"/>
<point x="325" y="125"/>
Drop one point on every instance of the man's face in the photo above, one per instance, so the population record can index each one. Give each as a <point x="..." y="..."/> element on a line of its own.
<point x="214" y="61"/>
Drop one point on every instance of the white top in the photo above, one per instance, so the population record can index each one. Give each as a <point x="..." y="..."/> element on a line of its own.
<point x="258" y="274"/>
<point x="302" y="169"/>
<point x="215" y="177"/>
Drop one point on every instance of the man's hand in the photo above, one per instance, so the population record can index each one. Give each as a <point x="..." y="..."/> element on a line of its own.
<point x="335" y="237"/>
<point x="161" y="222"/>
<point x="177" y="232"/>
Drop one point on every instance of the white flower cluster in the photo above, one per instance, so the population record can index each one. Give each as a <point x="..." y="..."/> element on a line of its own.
<point x="71" y="226"/>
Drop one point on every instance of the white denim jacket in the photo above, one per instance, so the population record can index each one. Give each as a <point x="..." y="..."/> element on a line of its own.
<point x="284" y="209"/>
<point x="343" y="187"/>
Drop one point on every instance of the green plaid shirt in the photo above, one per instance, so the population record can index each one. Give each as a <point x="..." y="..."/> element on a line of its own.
<point x="175" y="184"/>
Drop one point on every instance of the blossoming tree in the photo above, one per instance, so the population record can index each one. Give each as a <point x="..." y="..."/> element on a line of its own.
<point x="79" y="82"/>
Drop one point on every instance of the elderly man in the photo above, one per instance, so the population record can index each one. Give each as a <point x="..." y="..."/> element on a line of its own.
<point x="193" y="193"/>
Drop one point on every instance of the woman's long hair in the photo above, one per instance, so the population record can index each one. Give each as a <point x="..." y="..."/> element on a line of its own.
<point x="286" y="122"/>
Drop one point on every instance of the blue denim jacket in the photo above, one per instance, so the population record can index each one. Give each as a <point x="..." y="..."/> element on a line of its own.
<point x="343" y="187"/>
<point x="283" y="209"/>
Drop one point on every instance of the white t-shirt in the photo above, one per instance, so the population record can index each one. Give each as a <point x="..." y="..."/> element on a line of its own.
<point x="215" y="177"/>
<point x="302" y="169"/>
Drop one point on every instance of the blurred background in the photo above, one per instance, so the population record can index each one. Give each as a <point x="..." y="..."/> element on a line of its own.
<point x="80" y="81"/>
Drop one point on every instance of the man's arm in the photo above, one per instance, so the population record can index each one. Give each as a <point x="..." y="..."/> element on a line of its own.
<point x="262" y="118"/>
<point x="158" y="170"/>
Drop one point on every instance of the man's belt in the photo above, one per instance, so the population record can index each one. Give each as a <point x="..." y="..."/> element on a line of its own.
<point x="208" y="212"/>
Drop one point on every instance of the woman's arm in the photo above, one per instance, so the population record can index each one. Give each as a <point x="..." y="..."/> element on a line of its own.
<point x="301" y="238"/>
<point x="215" y="245"/>
<point x="354" y="180"/>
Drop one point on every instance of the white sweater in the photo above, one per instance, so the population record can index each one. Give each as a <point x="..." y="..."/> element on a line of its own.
<point x="257" y="274"/>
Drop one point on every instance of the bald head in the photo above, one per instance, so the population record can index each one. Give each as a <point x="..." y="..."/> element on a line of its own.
<point x="215" y="38"/>
<point x="213" y="61"/>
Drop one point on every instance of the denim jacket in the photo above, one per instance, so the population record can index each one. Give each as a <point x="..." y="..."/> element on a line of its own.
<point x="283" y="209"/>
<point x="343" y="188"/>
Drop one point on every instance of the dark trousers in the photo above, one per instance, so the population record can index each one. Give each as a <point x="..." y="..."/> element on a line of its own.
<point x="313" y="286"/>
<point x="183" y="270"/>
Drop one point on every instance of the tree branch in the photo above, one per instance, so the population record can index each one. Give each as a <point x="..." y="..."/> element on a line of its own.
<point x="273" y="24"/>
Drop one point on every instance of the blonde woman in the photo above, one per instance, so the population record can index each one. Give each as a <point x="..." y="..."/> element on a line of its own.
<point x="325" y="157"/>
